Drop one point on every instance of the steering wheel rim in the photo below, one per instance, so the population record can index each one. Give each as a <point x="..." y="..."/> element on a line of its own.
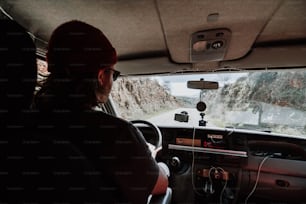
<point x="154" y="128"/>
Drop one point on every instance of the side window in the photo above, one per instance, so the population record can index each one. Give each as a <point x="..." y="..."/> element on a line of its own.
<point x="42" y="73"/>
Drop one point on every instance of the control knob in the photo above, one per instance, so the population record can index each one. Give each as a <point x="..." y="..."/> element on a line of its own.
<point x="175" y="163"/>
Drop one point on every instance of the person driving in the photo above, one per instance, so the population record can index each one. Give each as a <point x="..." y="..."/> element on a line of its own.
<point x="81" y="64"/>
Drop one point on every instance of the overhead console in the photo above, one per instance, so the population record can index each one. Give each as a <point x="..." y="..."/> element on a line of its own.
<point x="209" y="45"/>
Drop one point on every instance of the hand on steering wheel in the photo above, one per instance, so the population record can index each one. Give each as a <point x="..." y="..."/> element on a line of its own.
<point x="158" y="145"/>
<point x="153" y="149"/>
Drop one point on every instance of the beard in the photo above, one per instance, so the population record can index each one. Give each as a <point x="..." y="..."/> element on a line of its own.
<point x="102" y="93"/>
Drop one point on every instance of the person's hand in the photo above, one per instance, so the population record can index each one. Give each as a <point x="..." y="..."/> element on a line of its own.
<point x="164" y="168"/>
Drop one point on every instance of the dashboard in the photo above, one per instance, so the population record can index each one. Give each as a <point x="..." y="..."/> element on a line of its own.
<point x="231" y="166"/>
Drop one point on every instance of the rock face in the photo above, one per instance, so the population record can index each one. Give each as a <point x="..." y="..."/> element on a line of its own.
<point x="274" y="97"/>
<point x="136" y="97"/>
<point x="286" y="89"/>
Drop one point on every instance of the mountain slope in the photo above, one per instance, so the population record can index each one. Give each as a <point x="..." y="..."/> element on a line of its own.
<point x="142" y="96"/>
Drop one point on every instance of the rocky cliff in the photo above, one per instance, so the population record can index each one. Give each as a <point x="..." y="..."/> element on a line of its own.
<point x="142" y="96"/>
<point x="287" y="89"/>
<point x="275" y="97"/>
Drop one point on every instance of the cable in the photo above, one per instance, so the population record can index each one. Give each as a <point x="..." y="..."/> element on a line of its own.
<point x="224" y="187"/>
<point x="192" y="164"/>
<point x="232" y="131"/>
<point x="214" y="141"/>
<point x="209" y="173"/>
<point x="221" y="193"/>
<point x="257" y="178"/>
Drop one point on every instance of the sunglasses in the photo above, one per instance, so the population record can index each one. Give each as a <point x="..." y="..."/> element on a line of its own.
<point x="115" y="73"/>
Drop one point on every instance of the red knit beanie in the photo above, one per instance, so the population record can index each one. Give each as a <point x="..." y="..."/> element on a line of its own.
<point x="76" y="47"/>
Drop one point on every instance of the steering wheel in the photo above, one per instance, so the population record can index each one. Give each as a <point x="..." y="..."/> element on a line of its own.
<point x="155" y="129"/>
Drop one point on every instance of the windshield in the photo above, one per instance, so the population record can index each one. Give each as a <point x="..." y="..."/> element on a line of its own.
<point x="272" y="101"/>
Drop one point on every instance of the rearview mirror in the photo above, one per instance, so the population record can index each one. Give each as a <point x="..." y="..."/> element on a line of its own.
<point x="201" y="84"/>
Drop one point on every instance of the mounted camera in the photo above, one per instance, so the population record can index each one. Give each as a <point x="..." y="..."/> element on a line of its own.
<point x="182" y="117"/>
<point x="201" y="106"/>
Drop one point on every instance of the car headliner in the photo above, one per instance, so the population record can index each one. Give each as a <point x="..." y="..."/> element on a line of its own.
<point x="153" y="36"/>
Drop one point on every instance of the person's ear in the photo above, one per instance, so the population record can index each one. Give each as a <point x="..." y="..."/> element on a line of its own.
<point x="101" y="77"/>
